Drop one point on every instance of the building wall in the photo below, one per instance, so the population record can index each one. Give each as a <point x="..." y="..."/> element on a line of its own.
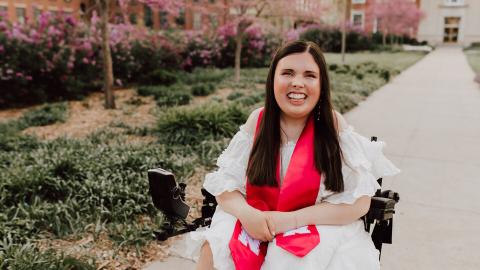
<point x="213" y="15"/>
<point x="432" y="27"/>
<point x="14" y="7"/>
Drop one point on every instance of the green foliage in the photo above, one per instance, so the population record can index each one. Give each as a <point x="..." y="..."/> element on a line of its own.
<point x="235" y="95"/>
<point x="204" y="75"/>
<point x="177" y="94"/>
<point x="46" y="115"/>
<point x="159" y="76"/>
<point x="190" y="126"/>
<point x="203" y="89"/>
<point x="26" y="257"/>
<point x="174" y="99"/>
<point x="63" y="185"/>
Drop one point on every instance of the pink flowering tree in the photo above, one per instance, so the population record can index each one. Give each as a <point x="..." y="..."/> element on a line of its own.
<point x="245" y="13"/>
<point x="103" y="8"/>
<point x="396" y="17"/>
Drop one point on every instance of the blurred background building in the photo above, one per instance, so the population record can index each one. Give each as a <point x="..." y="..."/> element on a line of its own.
<point x="450" y="22"/>
<point x="445" y="21"/>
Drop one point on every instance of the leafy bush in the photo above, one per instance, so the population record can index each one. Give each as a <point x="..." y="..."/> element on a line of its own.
<point x="63" y="185"/>
<point x="204" y="75"/>
<point x="203" y="89"/>
<point x="159" y="76"/>
<point x="174" y="98"/>
<point x="235" y="95"/>
<point x="177" y="94"/>
<point x="46" y="115"/>
<point x="22" y="257"/>
<point x="190" y="126"/>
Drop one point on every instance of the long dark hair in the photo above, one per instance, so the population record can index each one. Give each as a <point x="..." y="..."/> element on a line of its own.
<point x="261" y="170"/>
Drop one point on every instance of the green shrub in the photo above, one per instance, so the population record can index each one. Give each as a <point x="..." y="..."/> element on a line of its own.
<point x="159" y="77"/>
<point x="251" y="99"/>
<point x="23" y="257"/>
<point x="203" y="89"/>
<point x="385" y="74"/>
<point x="190" y="126"/>
<point x="174" y="99"/>
<point x="235" y="95"/>
<point x="177" y="94"/>
<point x="45" y="115"/>
<point x="204" y="75"/>
<point x="343" y="102"/>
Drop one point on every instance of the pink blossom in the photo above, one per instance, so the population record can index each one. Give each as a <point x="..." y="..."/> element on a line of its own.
<point x="9" y="71"/>
<point x="29" y="78"/>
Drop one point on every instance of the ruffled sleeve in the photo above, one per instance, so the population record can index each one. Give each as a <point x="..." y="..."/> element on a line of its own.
<point x="232" y="165"/>
<point x="363" y="163"/>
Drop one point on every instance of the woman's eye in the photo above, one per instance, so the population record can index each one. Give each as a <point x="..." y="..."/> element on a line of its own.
<point x="287" y="73"/>
<point x="311" y="76"/>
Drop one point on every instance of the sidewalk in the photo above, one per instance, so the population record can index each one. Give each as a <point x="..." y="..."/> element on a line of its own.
<point x="430" y="118"/>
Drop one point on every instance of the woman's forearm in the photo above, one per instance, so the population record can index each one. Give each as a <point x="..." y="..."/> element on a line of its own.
<point x="232" y="202"/>
<point x="332" y="214"/>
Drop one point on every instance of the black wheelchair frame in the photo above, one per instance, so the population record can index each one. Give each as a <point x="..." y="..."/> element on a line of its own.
<point x="169" y="198"/>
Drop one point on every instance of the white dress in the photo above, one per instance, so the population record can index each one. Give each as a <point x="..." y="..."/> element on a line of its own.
<point x="342" y="247"/>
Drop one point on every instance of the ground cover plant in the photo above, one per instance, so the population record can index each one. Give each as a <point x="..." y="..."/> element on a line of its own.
<point x="473" y="56"/>
<point x="71" y="189"/>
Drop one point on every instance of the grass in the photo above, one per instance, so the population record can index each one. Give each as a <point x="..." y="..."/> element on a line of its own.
<point x="473" y="56"/>
<point x="399" y="60"/>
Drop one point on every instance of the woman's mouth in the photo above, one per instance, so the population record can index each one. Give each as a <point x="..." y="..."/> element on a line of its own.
<point x="296" y="96"/>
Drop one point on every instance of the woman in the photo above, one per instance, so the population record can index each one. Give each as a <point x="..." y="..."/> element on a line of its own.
<point x="294" y="181"/>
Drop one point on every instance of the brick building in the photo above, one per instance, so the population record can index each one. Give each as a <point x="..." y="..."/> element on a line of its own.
<point x="361" y="15"/>
<point x="20" y="10"/>
<point x="190" y="18"/>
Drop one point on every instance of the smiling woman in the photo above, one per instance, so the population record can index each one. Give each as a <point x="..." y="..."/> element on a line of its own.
<point x="293" y="183"/>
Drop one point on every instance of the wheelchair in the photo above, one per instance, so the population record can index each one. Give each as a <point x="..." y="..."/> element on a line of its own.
<point x="169" y="197"/>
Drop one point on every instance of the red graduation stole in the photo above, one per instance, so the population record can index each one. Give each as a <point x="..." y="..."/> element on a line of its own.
<point x="300" y="189"/>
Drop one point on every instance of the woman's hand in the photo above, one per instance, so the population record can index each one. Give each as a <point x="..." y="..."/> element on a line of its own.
<point x="282" y="221"/>
<point x="257" y="224"/>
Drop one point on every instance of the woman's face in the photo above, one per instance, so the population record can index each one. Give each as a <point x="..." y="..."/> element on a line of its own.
<point x="297" y="84"/>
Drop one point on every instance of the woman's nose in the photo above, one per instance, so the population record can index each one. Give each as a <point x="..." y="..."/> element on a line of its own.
<point x="297" y="82"/>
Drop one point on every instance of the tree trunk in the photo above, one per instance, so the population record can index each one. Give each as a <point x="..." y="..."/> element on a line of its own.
<point x="344" y="29"/>
<point x="384" y="38"/>
<point x="238" y="53"/>
<point x="107" y="57"/>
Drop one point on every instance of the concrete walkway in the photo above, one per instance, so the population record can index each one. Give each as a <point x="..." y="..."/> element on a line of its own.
<point x="430" y="118"/>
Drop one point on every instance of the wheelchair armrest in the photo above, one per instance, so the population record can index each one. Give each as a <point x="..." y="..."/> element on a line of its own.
<point x="381" y="208"/>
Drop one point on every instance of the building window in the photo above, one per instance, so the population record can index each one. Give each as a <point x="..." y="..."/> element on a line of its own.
<point x="3" y="10"/>
<point x="197" y="21"/>
<point x="359" y="1"/>
<point x="214" y="21"/>
<point x="133" y="18"/>
<point x="147" y="16"/>
<point x="453" y="2"/>
<point x="357" y="18"/>
<point x="180" y="20"/>
<point x="21" y="13"/>
<point x="163" y="17"/>
<point x="36" y="12"/>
